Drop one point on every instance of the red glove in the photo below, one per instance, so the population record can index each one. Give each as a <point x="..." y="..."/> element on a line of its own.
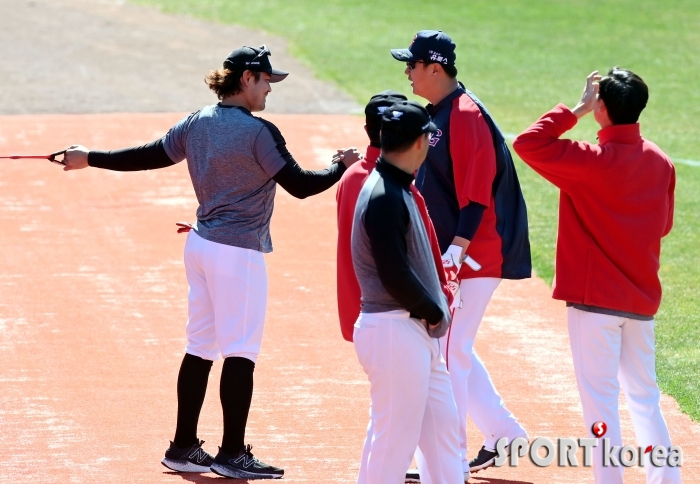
<point x="453" y="287"/>
<point x="451" y="262"/>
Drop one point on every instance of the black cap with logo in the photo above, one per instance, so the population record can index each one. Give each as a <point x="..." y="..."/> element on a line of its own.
<point x="428" y="45"/>
<point x="377" y="105"/>
<point x="407" y="119"/>
<point x="253" y="59"/>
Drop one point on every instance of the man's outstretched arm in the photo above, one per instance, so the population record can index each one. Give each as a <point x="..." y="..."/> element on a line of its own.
<point x="271" y="153"/>
<point x="150" y="156"/>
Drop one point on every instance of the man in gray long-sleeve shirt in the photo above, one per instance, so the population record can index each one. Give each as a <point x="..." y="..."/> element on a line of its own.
<point x="235" y="161"/>
<point x="403" y="313"/>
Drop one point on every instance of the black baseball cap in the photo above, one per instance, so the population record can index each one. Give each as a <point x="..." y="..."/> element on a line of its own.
<point x="407" y="119"/>
<point x="428" y="45"/>
<point x="377" y="105"/>
<point x="254" y="59"/>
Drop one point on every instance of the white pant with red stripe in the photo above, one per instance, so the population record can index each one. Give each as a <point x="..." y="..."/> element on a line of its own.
<point x="412" y="403"/>
<point x="227" y="299"/>
<point x="473" y="389"/>
<point x="609" y="352"/>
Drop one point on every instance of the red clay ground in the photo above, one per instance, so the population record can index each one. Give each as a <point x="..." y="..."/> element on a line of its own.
<point x="93" y="308"/>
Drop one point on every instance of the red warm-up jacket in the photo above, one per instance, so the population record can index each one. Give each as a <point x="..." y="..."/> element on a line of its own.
<point x="615" y="205"/>
<point x="349" y="187"/>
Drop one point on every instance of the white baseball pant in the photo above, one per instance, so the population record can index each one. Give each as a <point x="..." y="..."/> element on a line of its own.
<point x="475" y="393"/>
<point x="412" y="403"/>
<point x="227" y="299"/>
<point x="609" y="352"/>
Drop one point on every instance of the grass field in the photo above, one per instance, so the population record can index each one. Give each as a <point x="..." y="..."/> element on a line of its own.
<point x="521" y="58"/>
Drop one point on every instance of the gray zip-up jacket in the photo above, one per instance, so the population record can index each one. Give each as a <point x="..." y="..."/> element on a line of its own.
<point x="391" y="251"/>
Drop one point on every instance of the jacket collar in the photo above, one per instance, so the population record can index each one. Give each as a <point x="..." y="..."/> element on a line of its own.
<point x="446" y="100"/>
<point x="401" y="177"/>
<point x="620" y="133"/>
<point x="372" y="153"/>
<point x="231" y="106"/>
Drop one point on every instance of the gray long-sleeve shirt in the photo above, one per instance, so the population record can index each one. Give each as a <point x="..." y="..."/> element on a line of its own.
<point x="235" y="160"/>
<point x="391" y="251"/>
<point x="232" y="157"/>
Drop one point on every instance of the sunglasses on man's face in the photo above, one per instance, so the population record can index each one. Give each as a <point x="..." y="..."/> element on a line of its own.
<point x="412" y="65"/>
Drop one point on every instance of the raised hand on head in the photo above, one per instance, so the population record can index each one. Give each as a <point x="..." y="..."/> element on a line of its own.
<point x="589" y="96"/>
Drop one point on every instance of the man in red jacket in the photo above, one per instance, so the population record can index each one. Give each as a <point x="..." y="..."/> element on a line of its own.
<point x="615" y="205"/>
<point x="348" y="189"/>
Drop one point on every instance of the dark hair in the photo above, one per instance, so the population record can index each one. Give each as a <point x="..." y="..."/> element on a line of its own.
<point x="225" y="82"/>
<point x="395" y="141"/>
<point x="625" y="95"/>
<point x="451" y="71"/>
<point x="374" y="137"/>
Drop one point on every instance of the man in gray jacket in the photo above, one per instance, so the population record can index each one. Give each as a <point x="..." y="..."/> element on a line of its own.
<point x="404" y="311"/>
<point x="235" y="160"/>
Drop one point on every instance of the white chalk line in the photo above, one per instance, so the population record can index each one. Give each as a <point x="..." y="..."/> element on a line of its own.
<point x="686" y="162"/>
<point x="683" y="161"/>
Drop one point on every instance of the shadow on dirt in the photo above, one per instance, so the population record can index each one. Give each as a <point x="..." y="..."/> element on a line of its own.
<point x="207" y="478"/>
<point x="486" y="480"/>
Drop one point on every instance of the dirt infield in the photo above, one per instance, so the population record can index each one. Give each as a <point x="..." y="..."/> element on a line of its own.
<point x="93" y="308"/>
<point x="102" y="56"/>
<point x="92" y="286"/>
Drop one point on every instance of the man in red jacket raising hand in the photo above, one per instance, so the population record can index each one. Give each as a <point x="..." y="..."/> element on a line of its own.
<point x="615" y="205"/>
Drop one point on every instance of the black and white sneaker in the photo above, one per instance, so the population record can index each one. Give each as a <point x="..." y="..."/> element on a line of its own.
<point x="244" y="466"/>
<point x="190" y="459"/>
<point x="485" y="458"/>
<point x="412" y="475"/>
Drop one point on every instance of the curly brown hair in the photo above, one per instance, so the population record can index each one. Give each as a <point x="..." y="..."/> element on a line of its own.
<point x="225" y="82"/>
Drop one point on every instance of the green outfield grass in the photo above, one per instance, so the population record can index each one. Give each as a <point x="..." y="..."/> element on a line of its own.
<point x="521" y="58"/>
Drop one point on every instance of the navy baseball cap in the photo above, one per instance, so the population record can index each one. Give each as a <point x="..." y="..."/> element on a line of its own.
<point x="254" y="59"/>
<point x="428" y="45"/>
<point x="377" y="105"/>
<point x="407" y="119"/>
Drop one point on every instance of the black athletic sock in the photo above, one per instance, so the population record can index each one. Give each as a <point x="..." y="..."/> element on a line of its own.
<point x="236" y="392"/>
<point x="191" y="388"/>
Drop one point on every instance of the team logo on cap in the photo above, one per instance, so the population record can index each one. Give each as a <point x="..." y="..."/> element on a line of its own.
<point x="381" y="109"/>
<point x="437" y="57"/>
<point x="396" y="115"/>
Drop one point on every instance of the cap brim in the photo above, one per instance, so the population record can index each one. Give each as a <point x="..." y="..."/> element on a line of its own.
<point x="403" y="55"/>
<point x="431" y="128"/>
<point x="277" y="76"/>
